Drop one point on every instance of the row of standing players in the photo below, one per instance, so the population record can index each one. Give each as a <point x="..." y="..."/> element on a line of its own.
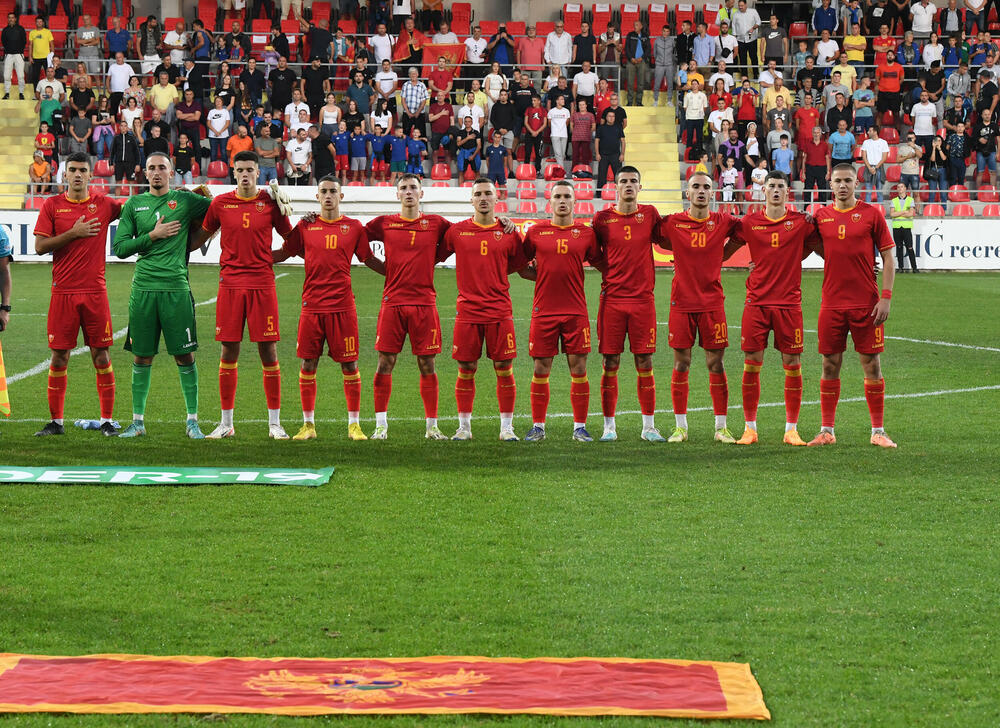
<point x="162" y="226"/>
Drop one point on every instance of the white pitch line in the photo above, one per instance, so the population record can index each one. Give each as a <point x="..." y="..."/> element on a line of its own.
<point x="908" y="395"/>
<point x="43" y="366"/>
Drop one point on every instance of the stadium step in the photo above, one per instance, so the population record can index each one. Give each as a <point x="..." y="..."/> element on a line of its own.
<point x="651" y="140"/>
<point x="18" y="126"/>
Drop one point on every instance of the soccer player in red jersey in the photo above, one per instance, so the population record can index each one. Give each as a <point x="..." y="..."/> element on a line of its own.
<point x="697" y="304"/>
<point x="559" y="248"/>
<point x="328" y="244"/>
<point x="851" y="301"/>
<point x="413" y="244"/>
<point x="73" y="226"/>
<point x="626" y="234"/>
<point x="778" y="240"/>
<point x="484" y="256"/>
<point x="247" y="295"/>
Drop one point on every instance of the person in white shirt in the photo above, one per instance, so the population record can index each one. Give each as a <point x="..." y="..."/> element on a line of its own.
<point x="924" y="117"/>
<point x="726" y="45"/>
<point x="826" y="50"/>
<point x="729" y="178"/>
<point x="922" y="14"/>
<point x="719" y="114"/>
<point x="768" y="75"/>
<point x="176" y="40"/>
<point x="302" y="122"/>
<point x="119" y="73"/>
<point x="559" y="46"/>
<point x="726" y="76"/>
<point x="475" y="56"/>
<point x="559" y="129"/>
<point x="381" y="44"/>
<point x="292" y="110"/>
<point x="386" y="82"/>
<point x="444" y="35"/>
<point x="585" y="85"/>
<point x="218" y="121"/>
<point x="933" y="51"/>
<point x="471" y="108"/>
<point x="695" y="103"/>
<point x="298" y="157"/>
<point x="875" y="152"/>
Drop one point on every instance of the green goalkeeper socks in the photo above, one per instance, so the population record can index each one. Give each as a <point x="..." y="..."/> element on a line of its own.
<point x="189" y="386"/>
<point x="141" y="374"/>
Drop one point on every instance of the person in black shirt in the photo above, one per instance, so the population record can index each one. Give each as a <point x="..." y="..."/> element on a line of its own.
<point x="320" y="39"/>
<point x="253" y="80"/>
<point x="167" y="67"/>
<point x="932" y="82"/>
<point x="522" y="96"/>
<point x="14" y="41"/>
<point x="315" y="85"/>
<point x="125" y="155"/>
<point x="503" y="116"/>
<point x="193" y="78"/>
<point x="839" y="111"/>
<point x="183" y="157"/>
<point x="238" y="38"/>
<point x="986" y="94"/>
<point x="957" y="113"/>
<point x="984" y="141"/>
<point x="810" y="70"/>
<point x="684" y="44"/>
<point x="584" y="48"/>
<point x="560" y="89"/>
<point x="279" y="41"/>
<point x="620" y="116"/>
<point x="610" y="145"/>
<point x="156" y="143"/>
<point x="157" y="120"/>
<point x="281" y="81"/>
<point x="323" y="152"/>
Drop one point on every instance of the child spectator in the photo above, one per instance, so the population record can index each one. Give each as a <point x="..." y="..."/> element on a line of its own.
<point x="782" y="157"/>
<point x="558" y="118"/>
<point x="219" y="121"/>
<point x="729" y="177"/>
<point x="757" y="177"/>
<point x="183" y="158"/>
<point x="381" y="152"/>
<point x="498" y="160"/>
<point x="359" y="153"/>
<point x="416" y="152"/>
<point x="341" y="145"/>
<point x="397" y="153"/>
<point x="40" y="173"/>
<point x="80" y="129"/>
<point x="469" y="141"/>
<point x="45" y="142"/>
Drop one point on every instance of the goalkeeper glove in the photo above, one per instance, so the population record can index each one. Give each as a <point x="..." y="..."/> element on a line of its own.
<point x="281" y="197"/>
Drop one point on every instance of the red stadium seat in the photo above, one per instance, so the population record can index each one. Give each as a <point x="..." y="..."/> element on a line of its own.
<point x="461" y="18"/>
<point x="34" y="203"/>
<point x="572" y="15"/>
<point x="356" y="184"/>
<point x="628" y="15"/>
<point x="554" y="171"/>
<point x="893" y="155"/>
<point x="600" y="16"/>
<point x="440" y="171"/>
<point x="548" y="190"/>
<point x="500" y="207"/>
<point x="684" y="11"/>
<point x="991" y="211"/>
<point x="517" y="27"/>
<point x="467" y="183"/>
<point x="893" y="173"/>
<point x="59" y="24"/>
<point x="798" y="29"/>
<point x="582" y="169"/>
<point x="195" y="170"/>
<point x="923" y="194"/>
<point x="710" y="14"/>
<point x="489" y="27"/>
<point x="259" y="35"/>
<point x="102" y="168"/>
<point x="656" y="15"/>
<point x="321" y="11"/>
<point x="292" y="31"/>
<point x="525" y="171"/>
<point x="890" y="134"/>
<point x="963" y="211"/>
<point x="583" y="208"/>
<point x="608" y="192"/>
<point x="988" y="193"/>
<point x="548" y="208"/>
<point x="544" y="27"/>
<point x="526" y="191"/>
<point x="933" y="211"/>
<point x="440" y="183"/>
<point x="348" y="25"/>
<point x="958" y="193"/>
<point x="584" y="190"/>
<point x="526" y="207"/>
<point x="218" y="170"/>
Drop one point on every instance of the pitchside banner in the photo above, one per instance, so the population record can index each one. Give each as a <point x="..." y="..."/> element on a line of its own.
<point x="164" y="476"/>
<point x="941" y="244"/>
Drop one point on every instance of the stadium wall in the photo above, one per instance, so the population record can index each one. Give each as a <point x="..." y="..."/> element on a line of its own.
<point x="941" y="244"/>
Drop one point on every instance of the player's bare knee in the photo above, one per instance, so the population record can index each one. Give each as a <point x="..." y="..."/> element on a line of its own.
<point x="577" y="364"/>
<point x="501" y="367"/>
<point x="183" y="360"/>
<point x="146" y="361"/>
<point x="347" y="367"/>
<point x="268" y="351"/>
<point x="386" y="363"/>
<point x="791" y="360"/>
<point x="309" y="365"/>
<point x="872" y="366"/>
<point x="425" y="364"/>
<point x="682" y="360"/>
<point x="469" y="366"/>
<point x="100" y="357"/>
<point x="643" y="361"/>
<point x="713" y="360"/>
<point x="612" y="361"/>
<point x="230" y="350"/>
<point x="831" y="366"/>
<point x="543" y="366"/>
<point x="60" y="358"/>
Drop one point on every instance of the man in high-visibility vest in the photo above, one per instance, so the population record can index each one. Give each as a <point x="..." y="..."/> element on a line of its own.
<point x="902" y="213"/>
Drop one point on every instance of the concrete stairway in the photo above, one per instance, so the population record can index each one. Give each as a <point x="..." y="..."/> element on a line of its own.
<point x="18" y="127"/>
<point x="651" y="145"/>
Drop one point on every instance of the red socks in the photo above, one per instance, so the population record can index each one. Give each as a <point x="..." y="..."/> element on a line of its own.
<point x="307" y="390"/>
<point x="609" y="392"/>
<point x="539" y="399"/>
<point x="228" y="375"/>
<point x="829" y="394"/>
<point x="352" y="391"/>
<point x="679" y="392"/>
<point x="382" y="389"/>
<point x="57" y="391"/>
<point x="793" y="393"/>
<point x="718" y="387"/>
<point x="875" y="396"/>
<point x="751" y="389"/>
<point x="465" y="391"/>
<point x="106" y="391"/>
<point x="429" y="394"/>
<point x="646" y="386"/>
<point x="579" y="397"/>
<point x="272" y="385"/>
<point x="506" y="390"/>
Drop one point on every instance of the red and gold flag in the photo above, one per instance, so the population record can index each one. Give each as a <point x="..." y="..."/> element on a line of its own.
<point x="401" y="50"/>
<point x="454" y="54"/>
<point x="4" y="396"/>
<point x="304" y="686"/>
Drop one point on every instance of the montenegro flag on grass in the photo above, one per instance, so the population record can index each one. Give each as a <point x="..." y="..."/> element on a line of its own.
<point x="4" y="398"/>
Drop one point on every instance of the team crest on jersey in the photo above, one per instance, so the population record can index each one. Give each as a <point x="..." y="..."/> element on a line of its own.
<point x="789" y="224"/>
<point x="172" y="204"/>
<point x="260" y="205"/>
<point x="710" y="225"/>
<point x="424" y="223"/>
<point x="639" y="217"/>
<point x="497" y="234"/>
<point x="344" y="228"/>
<point x="91" y="208"/>
<point x="856" y="217"/>
<point x="576" y="232"/>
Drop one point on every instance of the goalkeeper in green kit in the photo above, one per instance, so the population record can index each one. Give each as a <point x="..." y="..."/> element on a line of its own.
<point x="155" y="226"/>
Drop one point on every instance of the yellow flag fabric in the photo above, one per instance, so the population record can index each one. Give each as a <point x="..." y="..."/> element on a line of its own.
<point x="4" y="398"/>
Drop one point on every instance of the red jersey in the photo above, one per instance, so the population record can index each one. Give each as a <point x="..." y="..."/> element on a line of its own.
<point x="849" y="241"/>
<point x="559" y="252"/>
<point x="814" y="155"/>
<point x="890" y="77"/>
<point x="328" y="247"/>
<point x="806" y="118"/>
<point x="535" y="119"/>
<point x="245" y="261"/>
<point x="484" y="257"/>
<point x="697" y="246"/>
<point x="626" y="242"/>
<point x="776" y="249"/>
<point x="412" y="248"/>
<point x="78" y="266"/>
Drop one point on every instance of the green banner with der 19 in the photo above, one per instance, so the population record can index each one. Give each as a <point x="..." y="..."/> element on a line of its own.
<point x="164" y="476"/>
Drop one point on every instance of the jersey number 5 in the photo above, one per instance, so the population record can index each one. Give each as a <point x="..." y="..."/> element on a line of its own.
<point x="246" y="220"/>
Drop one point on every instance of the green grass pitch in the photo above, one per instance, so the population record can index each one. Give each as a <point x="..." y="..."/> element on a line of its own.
<point x="860" y="584"/>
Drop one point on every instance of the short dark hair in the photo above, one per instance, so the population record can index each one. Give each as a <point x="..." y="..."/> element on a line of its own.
<point x="78" y="157"/>
<point x="246" y="156"/>
<point x="844" y="167"/>
<point x="777" y="174"/>
<point x="406" y="176"/>
<point x="630" y="170"/>
<point x="563" y="183"/>
<point x="329" y="178"/>
<point x="482" y="181"/>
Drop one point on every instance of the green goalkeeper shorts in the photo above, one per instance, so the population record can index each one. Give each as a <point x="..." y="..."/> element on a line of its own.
<point x="151" y="313"/>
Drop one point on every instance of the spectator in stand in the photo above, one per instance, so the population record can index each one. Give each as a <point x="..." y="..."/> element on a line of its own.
<point x="781" y="158"/>
<point x="609" y="50"/>
<point x="494" y="82"/>
<point x="559" y="46"/>
<point x="582" y="123"/>
<point x="281" y="81"/>
<point x="637" y="53"/>
<point x="45" y="141"/>
<point x="361" y="93"/>
<point x="985" y="137"/>
<point x="690" y="75"/>
<point x="855" y="46"/>
<point x="47" y="107"/>
<point x="909" y="156"/>
<point x="189" y="119"/>
<point x="585" y="85"/>
<point x="958" y="144"/>
<point x="386" y="85"/>
<point x="14" y="40"/>
<point x="933" y="51"/>
<point x="323" y="153"/>
<point x="810" y="71"/>
<point x="125" y="156"/>
<point x="774" y="42"/>
<point x="721" y="74"/>
<point x="959" y="83"/>
<point x="602" y="99"/>
<point x="381" y="44"/>
<point x="825" y="19"/>
<point x="167" y="65"/>
<point x="884" y="45"/>
<point x="558" y="120"/>
<point x="732" y="148"/>
<point x="219" y="121"/>
<point x="80" y="129"/>
<point x="806" y="118"/>
<point x="524" y="92"/>
<point x="863" y="102"/>
<point x="441" y="118"/>
<point x="922" y="16"/>
<point x="807" y="90"/>
<point x="936" y="164"/>
<point x="815" y="152"/>
<point x="800" y="56"/>
<point x="441" y="78"/>
<point x="879" y="13"/>
<point x="163" y="96"/>
<point x="909" y="55"/>
<point x="237" y="42"/>
<point x="746" y="26"/>
<point x="902" y="212"/>
<point x="40" y="175"/>
<point x="726" y="45"/>
<point x="81" y="96"/>
<point x="925" y="119"/>
<point x="778" y="132"/>
<point x="719" y="92"/>
<point x="416" y="153"/>
<point x="752" y="154"/>
<point x="184" y="158"/>
<point x="747" y="101"/>
<point x="584" y="46"/>
<point x="933" y="82"/>
<point x="175" y="42"/>
<point x="498" y="161"/>
<point x="848" y="74"/>
<point x="192" y="79"/>
<point x="502" y="117"/>
<point x="610" y="143"/>
<point x="131" y="111"/>
<point x="42" y="44"/>
<point x="889" y="75"/>
<point x="685" y="44"/>
<point x="52" y="83"/>
<point x="535" y="121"/>
<point x="874" y="153"/>
<point x="148" y="42"/>
<point x="529" y="53"/>
<point x="728" y="179"/>
<point x="501" y="49"/>
<point x="444" y="36"/>
<point x="719" y="114"/>
<point x="199" y="43"/>
<point x="959" y="112"/>
<point x="703" y="48"/>
<point x="665" y="65"/>
<point x="298" y="158"/>
<point x="841" y="145"/>
<point x="301" y="123"/>
<point x="415" y="98"/>
<point x="88" y="44"/>
<point x="381" y="116"/>
<point x="469" y="143"/>
<point x="695" y="104"/>
<point x="838" y="113"/>
<point x="253" y="79"/>
<point x="155" y="143"/>
<point x="776" y="95"/>
<point x="826" y="50"/>
<point x="779" y="112"/>
<point x="472" y="110"/>
<point x="986" y="92"/>
<point x="560" y="89"/>
<point x="104" y="129"/>
<point x="767" y="76"/>
<point x="118" y="39"/>
<point x="475" y="54"/>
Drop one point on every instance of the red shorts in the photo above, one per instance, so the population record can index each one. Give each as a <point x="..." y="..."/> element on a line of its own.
<point x="421" y="323"/>
<point x="255" y="307"/>
<point x="468" y="339"/>
<point x="616" y="319"/>
<point x="547" y="332"/>
<point x="834" y="325"/>
<point x="70" y="312"/>
<point x="759" y="321"/>
<point x="710" y="327"/>
<point x="339" y="329"/>
<point x="343" y="163"/>
<point x="380" y="165"/>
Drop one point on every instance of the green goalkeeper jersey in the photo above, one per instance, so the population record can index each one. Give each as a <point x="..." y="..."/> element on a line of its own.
<point x="162" y="264"/>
